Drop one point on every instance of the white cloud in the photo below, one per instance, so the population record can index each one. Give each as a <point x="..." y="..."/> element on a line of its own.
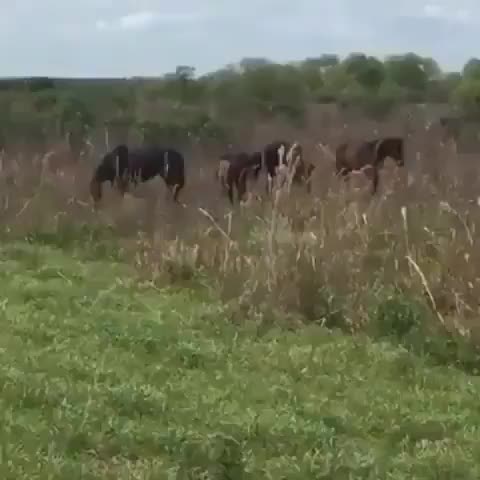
<point x="139" y="20"/>
<point x="143" y="20"/>
<point x="448" y="13"/>
<point x="150" y="37"/>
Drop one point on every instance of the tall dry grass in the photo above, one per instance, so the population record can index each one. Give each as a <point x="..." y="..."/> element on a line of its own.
<point x="403" y="265"/>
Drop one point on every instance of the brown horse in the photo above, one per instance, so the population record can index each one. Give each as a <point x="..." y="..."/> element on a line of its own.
<point x="234" y="169"/>
<point x="281" y="154"/>
<point x="351" y="156"/>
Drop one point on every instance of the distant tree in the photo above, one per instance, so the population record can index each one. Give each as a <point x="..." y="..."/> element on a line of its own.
<point x="76" y="113"/>
<point x="336" y="80"/>
<point x="381" y="103"/>
<point x="328" y="60"/>
<point x="408" y="71"/>
<point x="312" y="75"/>
<point x="45" y="101"/>
<point x="431" y="68"/>
<point x="440" y="90"/>
<point x="467" y="97"/>
<point x="251" y="63"/>
<point x="352" y="95"/>
<point x="181" y="86"/>
<point x="121" y="102"/>
<point x="275" y="86"/>
<point x="471" y="69"/>
<point x="369" y="72"/>
<point x="11" y="84"/>
<point x="76" y="120"/>
<point x="185" y="72"/>
<point x="37" y="84"/>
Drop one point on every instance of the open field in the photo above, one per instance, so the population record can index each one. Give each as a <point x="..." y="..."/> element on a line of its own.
<point x="103" y="376"/>
<point x="324" y="336"/>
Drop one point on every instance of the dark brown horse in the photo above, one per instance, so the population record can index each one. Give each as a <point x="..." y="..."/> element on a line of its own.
<point x="351" y="156"/>
<point x="282" y="154"/>
<point x="234" y="169"/>
<point x="124" y="167"/>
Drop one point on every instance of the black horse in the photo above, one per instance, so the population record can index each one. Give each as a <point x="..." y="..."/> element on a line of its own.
<point x="123" y="167"/>
<point x="352" y="156"/>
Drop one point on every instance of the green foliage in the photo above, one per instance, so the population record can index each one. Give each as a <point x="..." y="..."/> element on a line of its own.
<point x="408" y="322"/>
<point x="398" y="317"/>
<point x="39" y="84"/>
<point x="408" y="71"/>
<point x="380" y="104"/>
<point x="198" y="128"/>
<point x="274" y="88"/>
<point x="467" y="97"/>
<point x="369" y="72"/>
<point x="203" y="108"/>
<point x="471" y="70"/>
<point x="105" y="377"/>
<point x="46" y="101"/>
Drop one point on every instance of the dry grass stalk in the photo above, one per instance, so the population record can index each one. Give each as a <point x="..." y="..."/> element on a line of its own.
<point x="275" y="251"/>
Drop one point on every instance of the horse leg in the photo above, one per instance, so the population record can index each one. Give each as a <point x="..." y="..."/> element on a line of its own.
<point x="172" y="193"/>
<point x="242" y="186"/>
<point x="268" y="185"/>
<point x="308" y="183"/>
<point x="176" y="192"/>
<point x="375" y="180"/>
<point x="121" y="185"/>
<point x="344" y="174"/>
<point x="230" y="193"/>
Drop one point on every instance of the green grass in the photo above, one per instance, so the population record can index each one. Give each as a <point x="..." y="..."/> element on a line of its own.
<point x="103" y="378"/>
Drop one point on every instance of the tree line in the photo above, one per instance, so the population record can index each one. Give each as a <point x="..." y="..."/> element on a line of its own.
<point x="183" y="107"/>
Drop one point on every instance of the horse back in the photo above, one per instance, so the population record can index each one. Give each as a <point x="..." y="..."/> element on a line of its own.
<point x="149" y="161"/>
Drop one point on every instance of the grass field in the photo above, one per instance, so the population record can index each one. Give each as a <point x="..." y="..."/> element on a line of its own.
<point x="331" y="336"/>
<point x="105" y="377"/>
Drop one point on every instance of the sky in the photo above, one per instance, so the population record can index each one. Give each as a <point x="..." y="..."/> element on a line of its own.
<point x="104" y="38"/>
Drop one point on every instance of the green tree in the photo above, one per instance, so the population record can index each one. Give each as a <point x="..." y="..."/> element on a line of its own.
<point x="181" y="86"/>
<point x="45" y="101"/>
<point x="467" y="97"/>
<point x="336" y="80"/>
<point x="276" y="88"/>
<point x="382" y="102"/>
<point x="471" y="69"/>
<point x="312" y="76"/>
<point x="369" y="72"/>
<point x="439" y="90"/>
<point x="431" y="68"/>
<point x="409" y="72"/>
<point x="38" y="84"/>
<point x="328" y="60"/>
<point x="252" y="63"/>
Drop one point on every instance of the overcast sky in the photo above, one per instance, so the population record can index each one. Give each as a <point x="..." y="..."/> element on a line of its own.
<point x="151" y="37"/>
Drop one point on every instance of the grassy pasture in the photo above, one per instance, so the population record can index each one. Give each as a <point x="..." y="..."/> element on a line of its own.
<point x="325" y="337"/>
<point x="104" y="375"/>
